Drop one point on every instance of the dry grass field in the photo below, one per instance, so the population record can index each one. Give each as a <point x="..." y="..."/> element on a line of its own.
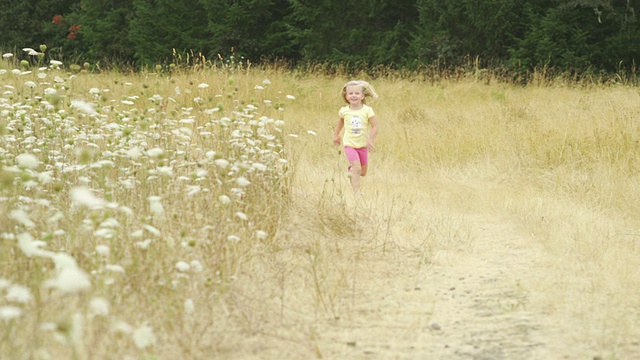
<point x="206" y="215"/>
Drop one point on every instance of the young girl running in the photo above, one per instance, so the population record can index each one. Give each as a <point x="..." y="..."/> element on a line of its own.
<point x="360" y="128"/>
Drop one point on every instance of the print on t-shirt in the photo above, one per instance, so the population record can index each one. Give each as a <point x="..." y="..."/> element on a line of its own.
<point x="356" y="125"/>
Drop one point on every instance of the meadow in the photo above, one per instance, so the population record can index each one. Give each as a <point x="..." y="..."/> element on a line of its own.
<point x="205" y="213"/>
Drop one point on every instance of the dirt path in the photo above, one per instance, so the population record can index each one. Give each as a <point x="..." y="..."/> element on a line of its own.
<point x="484" y="310"/>
<point x="465" y="305"/>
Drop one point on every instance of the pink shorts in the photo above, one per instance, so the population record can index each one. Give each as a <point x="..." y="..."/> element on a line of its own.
<point x="359" y="154"/>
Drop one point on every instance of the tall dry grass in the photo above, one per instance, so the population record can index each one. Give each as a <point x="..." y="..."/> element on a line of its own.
<point x="230" y="270"/>
<point x="560" y="160"/>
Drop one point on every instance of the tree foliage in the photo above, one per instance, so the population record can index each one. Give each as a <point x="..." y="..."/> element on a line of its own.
<point x="568" y="35"/>
<point x="158" y="28"/>
<point x="105" y="29"/>
<point x="28" y="23"/>
<point x="251" y="29"/>
<point x="357" y="32"/>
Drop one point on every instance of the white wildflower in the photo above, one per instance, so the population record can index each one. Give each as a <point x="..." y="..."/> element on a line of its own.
<point x="182" y="266"/>
<point x="165" y="170"/>
<point x="21" y="217"/>
<point x="122" y="327"/>
<point x="115" y="268"/>
<point x="62" y="261"/>
<point x="28" y="161"/>
<point x="127" y="210"/>
<point x="311" y="132"/>
<point x="70" y="280"/>
<point x="196" y="266"/>
<point x="31" y="247"/>
<point x="155" y="206"/>
<point x="9" y="312"/>
<point x="188" y="307"/>
<point x="104" y="233"/>
<point x="110" y="222"/>
<point x="222" y="163"/>
<point x="19" y="294"/>
<point x="99" y="307"/>
<point x="143" y="337"/>
<point x="184" y="130"/>
<point x="200" y="173"/>
<point x="134" y="153"/>
<point x="242" y="215"/>
<point x="103" y="250"/>
<point x="151" y="229"/>
<point x="259" y="166"/>
<point x="45" y="177"/>
<point x="143" y="244"/>
<point x="261" y="234"/>
<point x="83" y="196"/>
<point x="291" y="97"/>
<point x="242" y="181"/>
<point x="83" y="106"/>
<point x="155" y="152"/>
<point x="192" y="190"/>
<point x="224" y="199"/>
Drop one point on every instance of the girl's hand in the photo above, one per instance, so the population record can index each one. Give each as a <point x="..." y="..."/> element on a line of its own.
<point x="336" y="140"/>
<point x="370" y="145"/>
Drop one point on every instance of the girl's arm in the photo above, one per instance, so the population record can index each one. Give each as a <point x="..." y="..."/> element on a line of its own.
<point x="336" y="133"/>
<point x="373" y="133"/>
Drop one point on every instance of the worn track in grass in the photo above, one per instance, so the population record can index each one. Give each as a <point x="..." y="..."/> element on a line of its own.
<point x="465" y="305"/>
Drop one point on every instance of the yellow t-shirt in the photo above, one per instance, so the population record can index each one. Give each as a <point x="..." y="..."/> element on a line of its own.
<point x="356" y="125"/>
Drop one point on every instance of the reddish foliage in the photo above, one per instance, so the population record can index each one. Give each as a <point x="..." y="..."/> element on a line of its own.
<point x="73" y="31"/>
<point x="58" y="20"/>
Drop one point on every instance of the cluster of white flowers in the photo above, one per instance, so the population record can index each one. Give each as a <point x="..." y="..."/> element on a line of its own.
<point x="74" y="167"/>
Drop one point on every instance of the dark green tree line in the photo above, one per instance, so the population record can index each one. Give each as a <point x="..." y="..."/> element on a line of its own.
<point x="568" y="35"/>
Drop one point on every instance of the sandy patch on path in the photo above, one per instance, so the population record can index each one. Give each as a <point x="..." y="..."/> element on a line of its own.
<point x="465" y="305"/>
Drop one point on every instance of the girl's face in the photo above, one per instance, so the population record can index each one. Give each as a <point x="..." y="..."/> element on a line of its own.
<point x="354" y="95"/>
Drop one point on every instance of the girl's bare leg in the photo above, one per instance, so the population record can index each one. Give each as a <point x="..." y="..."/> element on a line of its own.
<point x="356" y="173"/>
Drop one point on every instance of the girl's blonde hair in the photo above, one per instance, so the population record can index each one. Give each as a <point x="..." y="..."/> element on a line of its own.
<point x="367" y="90"/>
